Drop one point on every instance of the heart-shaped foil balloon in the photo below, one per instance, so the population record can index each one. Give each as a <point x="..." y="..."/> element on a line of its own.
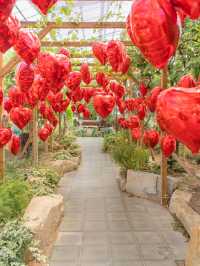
<point x="151" y="138"/>
<point x="20" y="116"/>
<point x="136" y="133"/>
<point x="5" y="136"/>
<point x="121" y="105"/>
<point x="103" y="104"/>
<point x="8" y="33"/>
<point x="27" y="46"/>
<point x="133" y="121"/>
<point x="178" y="113"/>
<point x="24" y="76"/>
<point x="16" y="96"/>
<point x="102" y="79"/>
<point x="7" y="105"/>
<point x="152" y="99"/>
<point x="187" y="81"/>
<point x="1" y="96"/>
<point x="44" y="5"/>
<point x="117" y="88"/>
<point x="189" y="7"/>
<point x="73" y="80"/>
<point x="6" y="7"/>
<point x="15" y="144"/>
<point x="154" y="30"/>
<point x="99" y="51"/>
<point x="87" y="94"/>
<point x="168" y="145"/>
<point x="85" y="73"/>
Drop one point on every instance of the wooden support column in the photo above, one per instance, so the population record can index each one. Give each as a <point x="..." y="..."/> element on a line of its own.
<point x="35" y="138"/>
<point x="60" y="126"/>
<point x="2" y="154"/>
<point x="164" y="191"/>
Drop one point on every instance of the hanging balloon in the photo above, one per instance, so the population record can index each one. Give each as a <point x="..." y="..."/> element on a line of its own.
<point x="24" y="76"/>
<point x="87" y="94"/>
<point x="121" y="105"/>
<point x="187" y="81"/>
<point x="141" y="111"/>
<point x="99" y="51"/>
<point x="189" y="7"/>
<point x="154" y="30"/>
<point x="178" y="111"/>
<point x="45" y="132"/>
<point x="85" y="73"/>
<point x="143" y="89"/>
<point x="123" y="122"/>
<point x="117" y="88"/>
<point x="1" y="96"/>
<point x="86" y="113"/>
<point x="102" y="79"/>
<point x="152" y="99"/>
<point x="133" y="121"/>
<point x="40" y="88"/>
<point x="116" y="54"/>
<point x="7" y="105"/>
<point x="8" y="33"/>
<point x="65" y="52"/>
<point x="15" y="144"/>
<point x="73" y="80"/>
<point x="125" y="65"/>
<point x="168" y="145"/>
<point x="44" y="5"/>
<point x="151" y="138"/>
<point x="136" y="133"/>
<point x="103" y="104"/>
<point x="6" y="7"/>
<point x="5" y="136"/>
<point x="27" y="46"/>
<point x="20" y="116"/>
<point x="16" y="96"/>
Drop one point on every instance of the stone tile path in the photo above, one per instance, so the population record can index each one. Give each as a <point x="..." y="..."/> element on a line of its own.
<point x="103" y="227"/>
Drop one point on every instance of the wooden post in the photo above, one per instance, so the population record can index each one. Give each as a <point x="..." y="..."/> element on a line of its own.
<point x="35" y="138"/>
<point x="164" y="191"/>
<point x="60" y="126"/>
<point x="2" y="154"/>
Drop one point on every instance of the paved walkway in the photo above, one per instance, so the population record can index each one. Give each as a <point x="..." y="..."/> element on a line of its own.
<point x="103" y="227"/>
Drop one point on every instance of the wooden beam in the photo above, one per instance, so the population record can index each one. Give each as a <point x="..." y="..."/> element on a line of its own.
<point x="2" y="153"/>
<point x="77" y="25"/>
<point x="74" y="43"/>
<point x="16" y="59"/>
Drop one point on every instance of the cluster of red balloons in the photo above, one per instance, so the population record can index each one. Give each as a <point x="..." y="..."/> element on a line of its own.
<point x="153" y="27"/>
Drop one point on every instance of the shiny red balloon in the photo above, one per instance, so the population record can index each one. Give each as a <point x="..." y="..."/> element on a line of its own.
<point x="27" y="46"/>
<point x="102" y="79"/>
<point x="168" y="145"/>
<point x="143" y="89"/>
<point x="152" y="99"/>
<point x="5" y="136"/>
<point x="24" y="76"/>
<point x="20" y="116"/>
<point x="117" y="88"/>
<point x="103" y="104"/>
<point x="44" y="5"/>
<point x="154" y="30"/>
<point x="17" y="97"/>
<point x="189" y="7"/>
<point x="73" y="80"/>
<point x="99" y="51"/>
<point x="6" y="7"/>
<point x="8" y="33"/>
<point x="85" y="73"/>
<point x="151" y="138"/>
<point x="136" y="133"/>
<point x="187" y="81"/>
<point x="133" y="121"/>
<point x="178" y="112"/>
<point x="116" y="54"/>
<point x="15" y="144"/>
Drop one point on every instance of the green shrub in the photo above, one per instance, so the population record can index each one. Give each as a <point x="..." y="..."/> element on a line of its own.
<point x="14" y="197"/>
<point x="128" y="156"/>
<point x="46" y="180"/>
<point x="111" y="140"/>
<point x="15" y="241"/>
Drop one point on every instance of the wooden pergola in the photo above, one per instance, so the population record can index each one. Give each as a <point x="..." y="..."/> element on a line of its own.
<point x="5" y="69"/>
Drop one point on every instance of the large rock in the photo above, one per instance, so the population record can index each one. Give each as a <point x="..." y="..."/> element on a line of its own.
<point x="142" y="184"/>
<point x="193" y="252"/>
<point x="179" y="205"/>
<point x="64" y="166"/>
<point x="43" y="217"/>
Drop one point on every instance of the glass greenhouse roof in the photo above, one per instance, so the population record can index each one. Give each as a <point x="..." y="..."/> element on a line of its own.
<point x="82" y="11"/>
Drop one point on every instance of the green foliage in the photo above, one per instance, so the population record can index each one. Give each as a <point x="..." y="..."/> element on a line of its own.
<point x="15" y="242"/>
<point x="110" y="140"/>
<point x="128" y="156"/>
<point x="44" y="181"/>
<point x="14" y="197"/>
<point x="68" y="140"/>
<point x="62" y="155"/>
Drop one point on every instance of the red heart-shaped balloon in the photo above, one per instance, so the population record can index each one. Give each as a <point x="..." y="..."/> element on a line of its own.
<point x="20" y="116"/>
<point x="6" y="7"/>
<point x="178" y="113"/>
<point x="5" y="136"/>
<point x="99" y="51"/>
<point x="151" y="138"/>
<point x="103" y="104"/>
<point x="24" y="76"/>
<point x="15" y="144"/>
<point x="189" y="7"/>
<point x="44" y="5"/>
<point x="187" y="81"/>
<point x="168" y="145"/>
<point x="85" y="73"/>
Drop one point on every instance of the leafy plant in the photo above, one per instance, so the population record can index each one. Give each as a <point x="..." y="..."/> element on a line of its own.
<point x="16" y="241"/>
<point x="14" y="197"/>
<point x="112" y="139"/>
